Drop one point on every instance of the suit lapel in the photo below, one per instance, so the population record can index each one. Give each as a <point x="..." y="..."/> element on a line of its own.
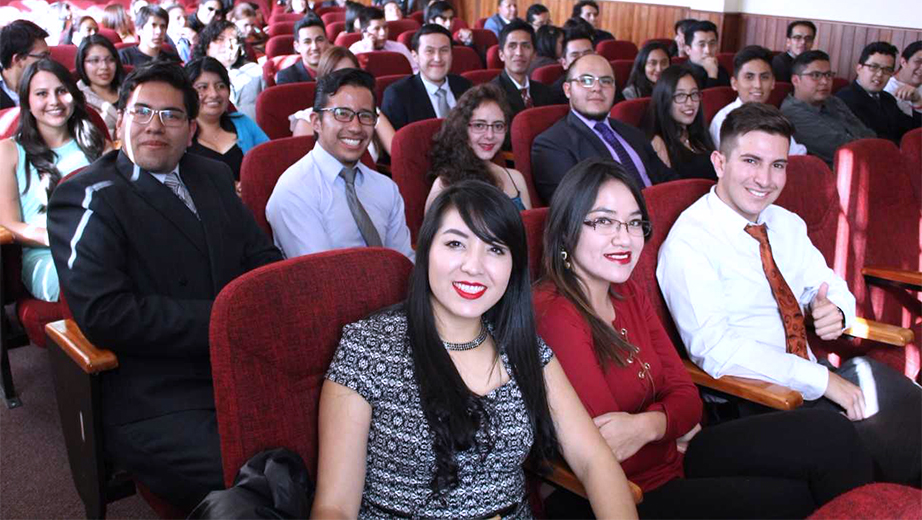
<point x="210" y="210"/>
<point x="513" y="96"/>
<point x="586" y="134"/>
<point x="425" y="108"/>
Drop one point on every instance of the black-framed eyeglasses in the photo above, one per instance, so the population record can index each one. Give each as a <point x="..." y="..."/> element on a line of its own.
<point x="40" y="56"/>
<point x="875" y="68"/>
<point x="799" y="37"/>
<point x="588" y="80"/>
<point x="94" y="61"/>
<point x="346" y="115"/>
<point x="481" y="127"/>
<point x="610" y="226"/>
<point x="817" y="75"/>
<point x="682" y="97"/>
<point x="169" y="117"/>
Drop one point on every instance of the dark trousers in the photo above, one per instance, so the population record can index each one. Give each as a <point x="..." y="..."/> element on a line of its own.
<point x="177" y="456"/>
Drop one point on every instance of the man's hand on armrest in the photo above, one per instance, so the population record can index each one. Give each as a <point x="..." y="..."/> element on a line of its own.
<point x="846" y="395"/>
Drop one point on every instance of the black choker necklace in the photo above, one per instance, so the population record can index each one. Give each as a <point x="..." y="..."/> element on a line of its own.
<point x="470" y="345"/>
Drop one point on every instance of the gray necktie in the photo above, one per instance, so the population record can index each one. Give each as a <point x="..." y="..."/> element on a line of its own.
<point x="443" y="108"/>
<point x="171" y="180"/>
<point x="366" y="227"/>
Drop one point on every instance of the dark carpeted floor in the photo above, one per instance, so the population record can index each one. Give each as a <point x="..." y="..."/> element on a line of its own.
<point x="35" y="480"/>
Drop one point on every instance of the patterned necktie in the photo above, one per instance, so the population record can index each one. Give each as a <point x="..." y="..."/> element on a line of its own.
<point x="623" y="157"/>
<point x="526" y="98"/>
<point x="791" y="316"/>
<point x="366" y="227"/>
<point x="171" y="180"/>
<point x="443" y="107"/>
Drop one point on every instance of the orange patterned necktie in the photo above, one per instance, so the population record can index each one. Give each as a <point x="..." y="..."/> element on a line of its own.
<point x="793" y="318"/>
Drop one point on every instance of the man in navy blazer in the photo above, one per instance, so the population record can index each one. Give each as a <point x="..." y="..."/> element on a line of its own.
<point x="310" y="42"/>
<point x="143" y="240"/>
<point x="583" y="133"/>
<point x="506" y="11"/>
<point x="431" y="92"/>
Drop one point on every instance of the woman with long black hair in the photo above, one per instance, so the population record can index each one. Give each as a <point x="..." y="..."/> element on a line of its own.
<point x="101" y="74"/>
<point x="650" y="62"/>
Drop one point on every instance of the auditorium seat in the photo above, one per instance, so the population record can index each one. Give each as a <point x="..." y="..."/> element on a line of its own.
<point x="662" y="41"/>
<point x="715" y="98"/>
<point x="410" y="166"/>
<point x="479" y="77"/>
<point x="110" y="35"/>
<point x="781" y="91"/>
<point x="330" y="9"/>
<point x="419" y="16"/>
<point x="481" y="23"/>
<point x="406" y="38"/>
<point x="273" y="65"/>
<point x="333" y="30"/>
<point x="493" y="61"/>
<point x="622" y="70"/>
<point x="483" y="39"/>
<point x="631" y="111"/>
<point x="616" y="50"/>
<point x="877" y="500"/>
<point x="280" y="29"/>
<point x="284" y="17"/>
<point x="395" y="27"/>
<point x="64" y="54"/>
<point x="384" y="63"/>
<point x="678" y="60"/>
<point x="382" y="82"/>
<point x="464" y="59"/>
<point x="261" y="169"/>
<point x="346" y="40"/>
<point x="725" y="59"/>
<point x="838" y="84"/>
<point x="275" y="104"/>
<point x="547" y="74"/>
<point x="335" y="16"/>
<point x="280" y="46"/>
<point x="526" y="126"/>
<point x="911" y="148"/>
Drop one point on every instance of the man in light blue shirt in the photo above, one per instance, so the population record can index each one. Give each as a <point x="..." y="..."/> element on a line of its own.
<point x="328" y="199"/>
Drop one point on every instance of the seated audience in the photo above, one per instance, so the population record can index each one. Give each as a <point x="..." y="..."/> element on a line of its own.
<point x="221" y="40"/>
<point x="649" y="64"/>
<point x="548" y="47"/>
<point x="55" y="137"/>
<point x="675" y="125"/>
<point x="442" y="13"/>
<point x="85" y="27"/>
<point x="245" y="18"/>
<point x="101" y="74"/>
<point x="220" y="135"/>
<point x="476" y="390"/>
<point x="374" y="37"/>
<point x="506" y="11"/>
<point x="589" y="10"/>
<point x="310" y="43"/>
<point x="207" y="11"/>
<point x="353" y="15"/>
<point x="392" y="10"/>
<point x="906" y="84"/>
<point x="116" y="18"/>
<point x="468" y="142"/>
<point x="538" y="16"/>
<point x="178" y="32"/>
<point x="576" y="44"/>
<point x="144" y="240"/>
<point x="701" y="48"/>
<point x="151" y="24"/>
<point x="822" y="122"/>
<point x="433" y="91"/>
<point x="868" y="100"/>
<point x="329" y="199"/>
<point x="678" y="47"/>
<point x="626" y="371"/>
<point x="753" y="80"/>
<point x="22" y="43"/>
<point x="587" y="131"/>
<point x="740" y="275"/>
<point x="800" y="37"/>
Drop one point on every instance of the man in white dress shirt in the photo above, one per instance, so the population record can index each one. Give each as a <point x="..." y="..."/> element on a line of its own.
<point x="712" y="271"/>
<point x="906" y="84"/>
<point x="375" y="36"/>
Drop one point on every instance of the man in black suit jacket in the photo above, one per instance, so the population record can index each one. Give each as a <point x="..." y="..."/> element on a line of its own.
<point x="143" y="241"/>
<point x="576" y="44"/>
<point x="151" y="22"/>
<point x="583" y="133"/>
<point x="431" y="92"/>
<point x="21" y="44"/>
<point x="701" y="48"/>
<point x="589" y="10"/>
<point x="310" y="42"/>
<point x="867" y="99"/>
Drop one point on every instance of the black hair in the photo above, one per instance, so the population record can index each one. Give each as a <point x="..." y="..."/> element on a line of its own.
<point x="576" y="23"/>
<point x="659" y="120"/>
<point x="18" y="38"/>
<point x="90" y="139"/>
<point x="369" y="14"/>
<point x="437" y="10"/>
<point x="804" y="59"/>
<point x="805" y="23"/>
<point x="145" y="13"/>
<point x="546" y="38"/>
<point x="751" y="53"/>
<point x="638" y="76"/>
<point x="878" y="48"/>
<point x="911" y="50"/>
<point x="429" y="28"/>
<point x="310" y="20"/>
<point x="572" y="202"/>
<point x="574" y="34"/>
<point x="516" y="25"/>
<point x="329" y="84"/>
<point x="84" y="49"/>
<point x="195" y="68"/>
<point x="534" y="11"/>
<point x="699" y="26"/>
<point x="578" y="7"/>
<point x="751" y="117"/>
<point x="454" y="413"/>
<point x="353" y="13"/>
<point x="212" y="32"/>
<point x="683" y="24"/>
<point x="167" y="72"/>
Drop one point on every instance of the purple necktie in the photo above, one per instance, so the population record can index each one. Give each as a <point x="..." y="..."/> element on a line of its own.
<point x="623" y="157"/>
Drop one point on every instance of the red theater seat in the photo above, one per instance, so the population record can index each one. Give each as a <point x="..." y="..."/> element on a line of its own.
<point x="878" y="500"/>
<point x="346" y="40"/>
<point x="333" y="30"/>
<point x="261" y="169"/>
<point x="395" y="27"/>
<point x="336" y="16"/>
<point x="482" y="38"/>
<point x="715" y="98"/>
<point x="617" y="50"/>
<point x="273" y="65"/>
<point x="464" y="59"/>
<point x="781" y="91"/>
<point x="64" y="54"/>
<point x="622" y="70"/>
<point x="385" y="63"/>
<point x="110" y="35"/>
<point x="493" y="61"/>
<point x="280" y="46"/>
<point x="479" y="77"/>
<point x="406" y="38"/>
<point x="410" y="166"/>
<point x="631" y="111"/>
<point x="662" y="41"/>
<point x="284" y="17"/>
<point x="725" y="59"/>
<point x="382" y="82"/>
<point x="481" y="23"/>
<point x="527" y="125"/>
<point x="275" y="104"/>
<point x="280" y="29"/>
<point x="547" y="74"/>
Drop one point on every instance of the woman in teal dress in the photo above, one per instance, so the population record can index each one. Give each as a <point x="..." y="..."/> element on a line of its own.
<point x="55" y="137"/>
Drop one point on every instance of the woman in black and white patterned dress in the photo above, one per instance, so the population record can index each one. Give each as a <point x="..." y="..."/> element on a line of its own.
<point x="432" y="406"/>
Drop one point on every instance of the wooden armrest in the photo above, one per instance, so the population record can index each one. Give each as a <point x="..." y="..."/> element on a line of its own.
<point x="902" y="277"/>
<point x="762" y="392"/>
<point x="560" y="475"/>
<point x="6" y="236"/>
<point x="66" y="335"/>
<point x="882" y="332"/>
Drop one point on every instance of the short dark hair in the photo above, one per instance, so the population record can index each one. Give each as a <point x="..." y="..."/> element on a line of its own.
<point x="534" y="11"/>
<point x="683" y="24"/>
<point x="167" y="72"/>
<point x="310" y="20"/>
<point x="578" y="7"/>
<point x="437" y="10"/>
<point x="330" y="84"/>
<point x="368" y="14"/>
<point x="911" y="49"/>
<point x="751" y="53"/>
<point x="699" y="26"/>
<point x="751" y="117"/>
<point x="18" y="38"/>
<point x="878" y="48"/>
<point x="516" y="25"/>
<point x="84" y="49"/>
<point x="170" y="7"/>
<point x="145" y="13"/>
<point x="429" y="28"/>
<point x="805" y="23"/>
<point x="806" y="58"/>
<point x="546" y="41"/>
<point x="575" y="23"/>
<point x="573" y="35"/>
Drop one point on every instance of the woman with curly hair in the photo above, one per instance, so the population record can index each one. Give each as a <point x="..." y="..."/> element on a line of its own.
<point x="221" y="40"/>
<point x="470" y="138"/>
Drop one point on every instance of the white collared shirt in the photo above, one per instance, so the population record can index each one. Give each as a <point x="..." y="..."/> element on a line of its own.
<point x="520" y="87"/>
<point x="162" y="176"/>
<point x="432" y="88"/>
<point x="718" y="121"/>
<point x="12" y="93"/>
<point x="710" y="272"/>
<point x="904" y="104"/>
<point x="364" y="45"/>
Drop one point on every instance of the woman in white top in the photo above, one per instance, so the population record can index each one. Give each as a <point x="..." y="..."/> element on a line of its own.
<point x="101" y="74"/>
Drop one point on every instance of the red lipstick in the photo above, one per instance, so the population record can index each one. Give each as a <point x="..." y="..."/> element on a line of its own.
<point x="477" y="291"/>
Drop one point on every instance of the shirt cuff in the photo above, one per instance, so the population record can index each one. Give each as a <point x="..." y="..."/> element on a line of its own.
<point x="812" y="379"/>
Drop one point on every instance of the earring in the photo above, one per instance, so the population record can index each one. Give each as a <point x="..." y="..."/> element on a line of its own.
<point x="563" y="256"/>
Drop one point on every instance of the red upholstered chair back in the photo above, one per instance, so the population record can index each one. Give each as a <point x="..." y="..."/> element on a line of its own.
<point x="278" y="17"/>
<point x="877" y="500"/>
<point x="333" y="29"/>
<point x="110" y="35"/>
<point x="662" y="41"/>
<point x="281" y="28"/>
<point x="410" y="166"/>
<point x="456" y="24"/>
<point x="481" y="23"/>
<point x="534" y="220"/>
<point x="616" y="50"/>
<point x="678" y="60"/>
<point x="493" y="61"/>
<point x="526" y="126"/>
<point x="280" y="46"/>
<point x="382" y="82"/>
<point x="482" y="38"/>
<point x="781" y="91"/>
<point x="479" y="77"/>
<point x="346" y="40"/>
<point x="715" y="98"/>
<point x="911" y="148"/>
<point x="547" y="74"/>
<point x="838" y="84"/>
<point x="336" y="16"/>
<point x="406" y="38"/>
<point x="64" y="54"/>
<point x="385" y="63"/>
<point x="464" y="59"/>
<point x="622" y="70"/>
<point x="419" y="16"/>
<point x="261" y="168"/>
<point x="395" y="27"/>
<point x="275" y="104"/>
<point x="273" y="65"/>
<point x="725" y="59"/>
<point x="269" y="361"/>
<point x="631" y="111"/>
<point x="331" y="9"/>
